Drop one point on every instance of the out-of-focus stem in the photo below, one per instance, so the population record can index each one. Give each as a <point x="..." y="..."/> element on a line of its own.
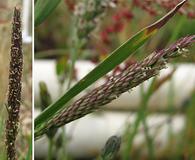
<point x="50" y="149"/>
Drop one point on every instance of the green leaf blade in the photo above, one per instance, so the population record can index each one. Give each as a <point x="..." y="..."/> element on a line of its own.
<point x="43" y="8"/>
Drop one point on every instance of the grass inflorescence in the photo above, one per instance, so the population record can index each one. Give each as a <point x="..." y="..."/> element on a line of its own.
<point x="15" y="86"/>
<point x="134" y="75"/>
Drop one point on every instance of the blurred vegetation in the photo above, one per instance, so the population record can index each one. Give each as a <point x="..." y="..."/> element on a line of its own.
<point x="54" y="33"/>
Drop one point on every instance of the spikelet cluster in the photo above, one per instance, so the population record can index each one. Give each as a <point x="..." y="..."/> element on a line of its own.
<point x="134" y="75"/>
<point x="15" y="86"/>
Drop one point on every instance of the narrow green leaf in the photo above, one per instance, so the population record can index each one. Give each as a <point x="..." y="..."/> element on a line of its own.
<point x="29" y="154"/>
<point x="115" y="58"/>
<point x="43" y="8"/>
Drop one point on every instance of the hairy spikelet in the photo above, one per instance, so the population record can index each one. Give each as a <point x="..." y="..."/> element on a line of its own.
<point x="15" y="86"/>
<point x="116" y="85"/>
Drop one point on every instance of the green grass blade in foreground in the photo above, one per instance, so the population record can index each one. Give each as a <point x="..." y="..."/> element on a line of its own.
<point x="117" y="56"/>
<point x="43" y="8"/>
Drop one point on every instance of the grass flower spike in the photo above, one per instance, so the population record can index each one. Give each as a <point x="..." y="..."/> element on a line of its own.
<point x="15" y="86"/>
<point x="133" y="76"/>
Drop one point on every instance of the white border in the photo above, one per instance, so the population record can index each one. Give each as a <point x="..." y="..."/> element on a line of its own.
<point x="32" y="79"/>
